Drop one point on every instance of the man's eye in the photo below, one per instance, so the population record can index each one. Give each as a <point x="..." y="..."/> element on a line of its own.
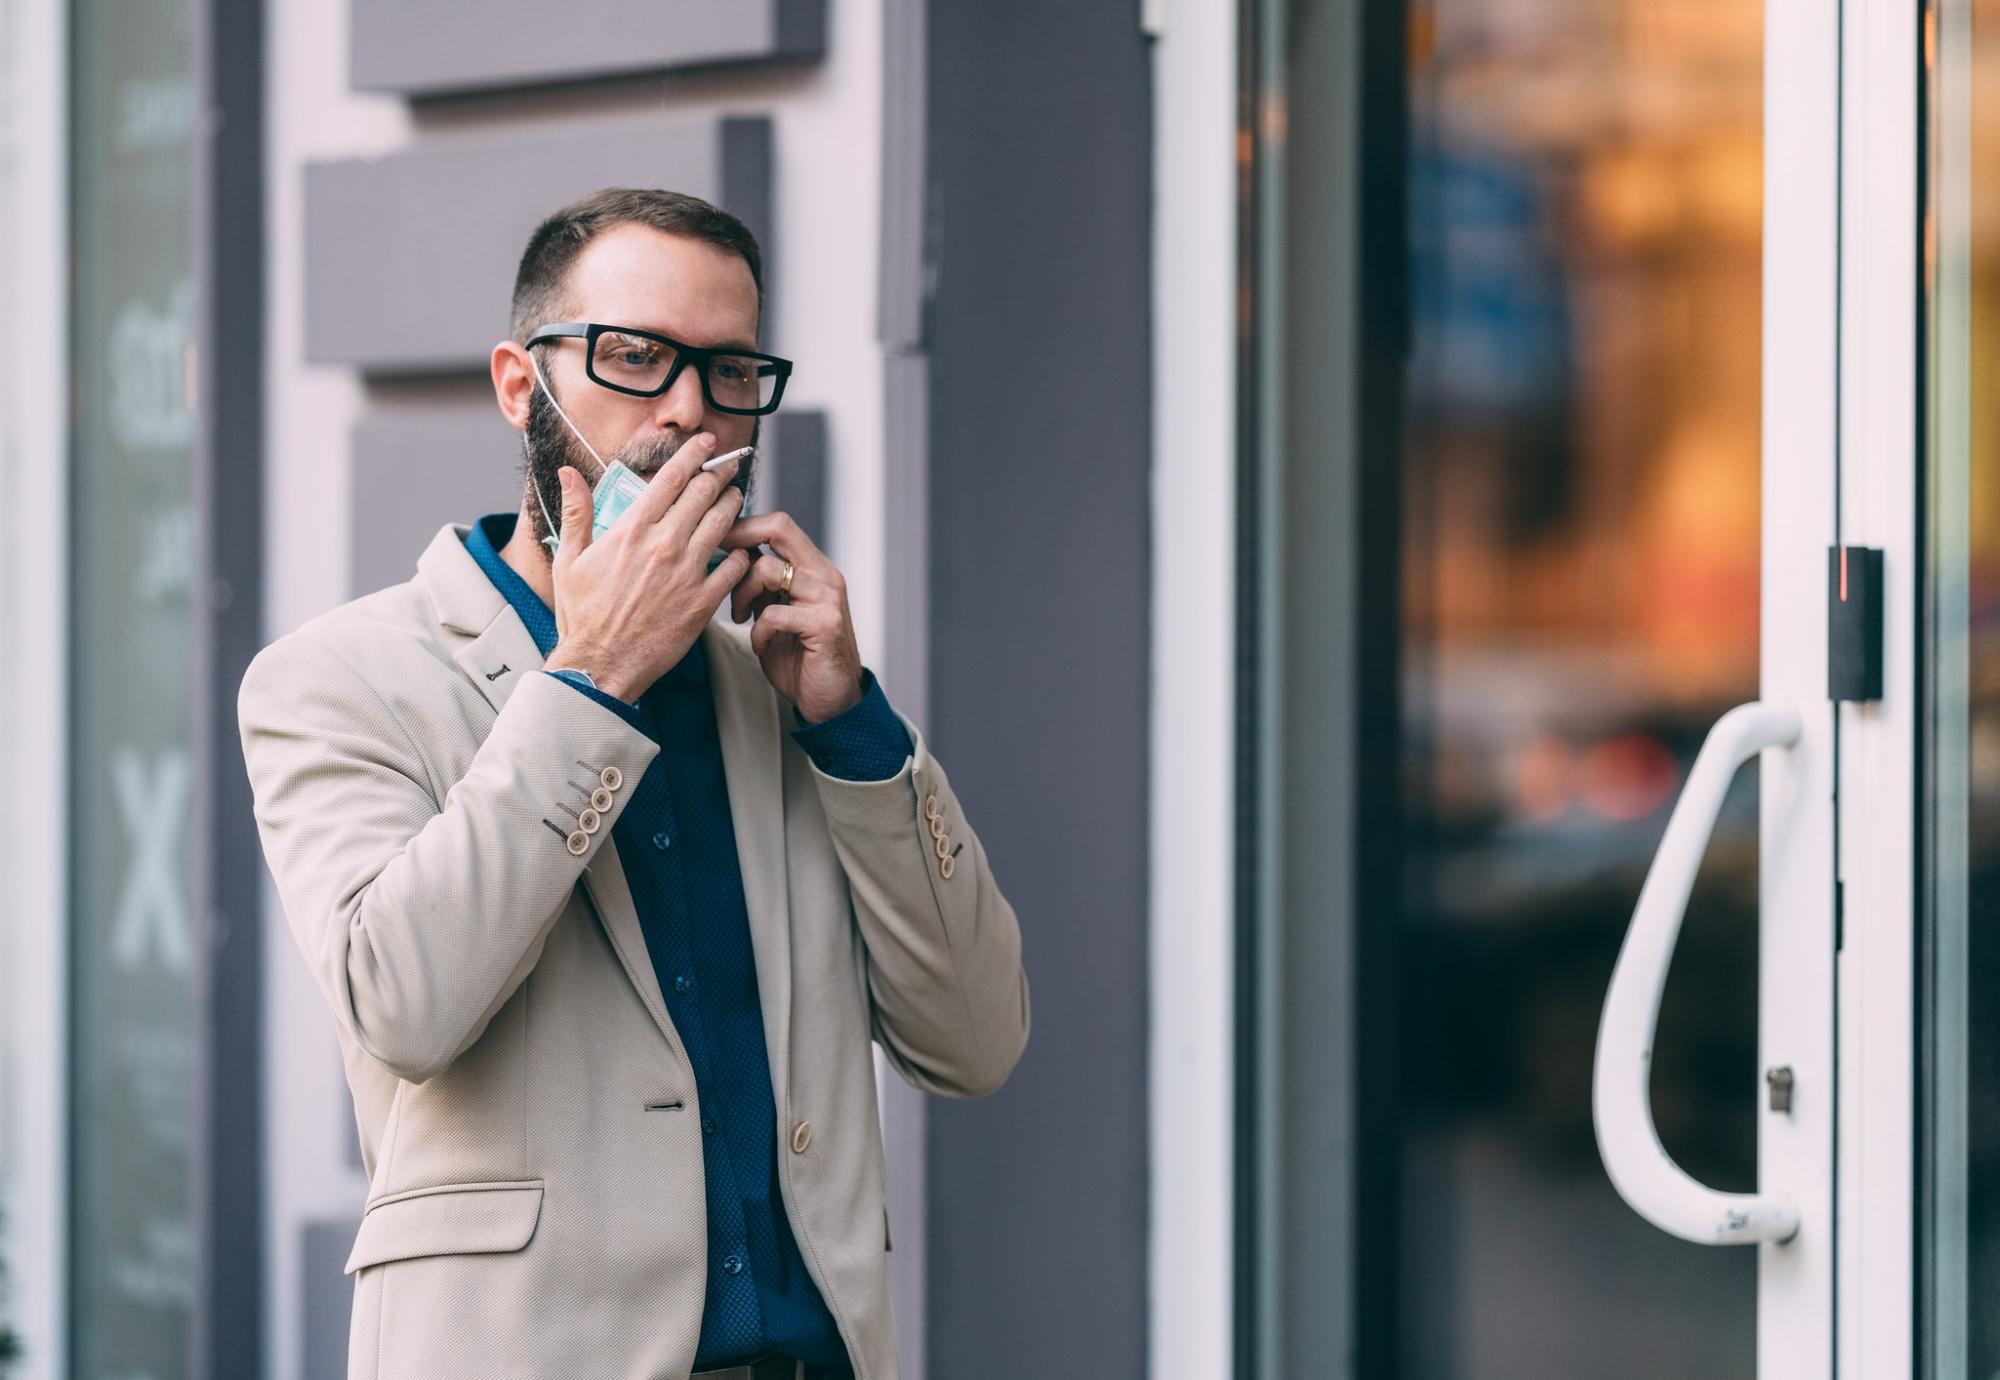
<point x="628" y="353"/>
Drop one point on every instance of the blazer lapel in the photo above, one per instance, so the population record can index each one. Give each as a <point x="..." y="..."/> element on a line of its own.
<point x="500" y="652"/>
<point x="493" y="646"/>
<point x="611" y="898"/>
<point x="746" y="716"/>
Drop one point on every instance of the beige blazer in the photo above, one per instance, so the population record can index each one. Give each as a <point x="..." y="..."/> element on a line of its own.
<point x="428" y="803"/>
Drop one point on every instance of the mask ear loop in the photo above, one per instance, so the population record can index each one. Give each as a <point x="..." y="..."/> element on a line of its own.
<point x="553" y="540"/>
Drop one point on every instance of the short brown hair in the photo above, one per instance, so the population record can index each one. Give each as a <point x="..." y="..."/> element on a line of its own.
<point x="557" y="241"/>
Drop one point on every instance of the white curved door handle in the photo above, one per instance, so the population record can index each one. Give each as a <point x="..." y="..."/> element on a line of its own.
<point x="1640" y="1167"/>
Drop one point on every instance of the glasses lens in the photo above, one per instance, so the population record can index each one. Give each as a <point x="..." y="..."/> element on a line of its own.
<point x="742" y="381"/>
<point x="630" y="361"/>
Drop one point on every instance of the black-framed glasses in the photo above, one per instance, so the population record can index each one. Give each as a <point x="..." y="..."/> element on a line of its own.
<point x="645" y="365"/>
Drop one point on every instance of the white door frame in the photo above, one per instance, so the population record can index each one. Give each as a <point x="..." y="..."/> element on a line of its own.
<point x="1191" y="689"/>
<point x="34" y="736"/>
<point x="1842" y="275"/>
<point x="1881" y="286"/>
<point x="1799" y="456"/>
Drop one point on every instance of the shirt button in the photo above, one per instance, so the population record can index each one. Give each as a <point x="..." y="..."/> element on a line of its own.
<point x="684" y="983"/>
<point x="660" y="840"/>
<point x="708" y="1125"/>
<point x="732" y="1264"/>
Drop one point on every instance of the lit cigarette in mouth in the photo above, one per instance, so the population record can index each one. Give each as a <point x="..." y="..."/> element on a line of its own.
<point x="742" y="453"/>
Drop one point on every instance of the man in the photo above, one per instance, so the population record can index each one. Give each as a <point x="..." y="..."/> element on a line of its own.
<point x="625" y="1128"/>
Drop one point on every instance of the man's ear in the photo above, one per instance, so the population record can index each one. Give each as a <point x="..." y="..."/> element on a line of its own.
<point x="513" y="382"/>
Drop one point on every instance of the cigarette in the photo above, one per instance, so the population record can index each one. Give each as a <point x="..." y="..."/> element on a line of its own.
<point x="743" y="453"/>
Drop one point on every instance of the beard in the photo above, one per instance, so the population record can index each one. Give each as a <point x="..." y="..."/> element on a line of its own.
<point x="549" y="444"/>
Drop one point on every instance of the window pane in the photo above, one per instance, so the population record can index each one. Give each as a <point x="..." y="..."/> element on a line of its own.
<point x="1555" y="223"/>
<point x="1959" y="1256"/>
<point x="132" y="1266"/>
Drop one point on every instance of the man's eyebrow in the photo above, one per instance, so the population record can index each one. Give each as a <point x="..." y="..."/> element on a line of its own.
<point x="734" y="342"/>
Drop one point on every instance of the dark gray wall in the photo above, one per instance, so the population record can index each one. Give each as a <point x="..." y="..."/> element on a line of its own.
<point x="1040" y="172"/>
<point x="226" y="869"/>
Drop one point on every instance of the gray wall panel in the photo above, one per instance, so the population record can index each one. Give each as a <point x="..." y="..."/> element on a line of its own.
<point x="415" y="470"/>
<point x="422" y="47"/>
<point x="410" y="258"/>
<point x="792" y="472"/>
<point x="326" y="1298"/>
<point x="1039" y="640"/>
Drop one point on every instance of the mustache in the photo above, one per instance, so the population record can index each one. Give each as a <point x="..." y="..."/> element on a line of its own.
<point x="647" y="454"/>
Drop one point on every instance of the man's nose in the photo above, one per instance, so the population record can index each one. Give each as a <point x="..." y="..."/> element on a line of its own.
<point x="682" y="405"/>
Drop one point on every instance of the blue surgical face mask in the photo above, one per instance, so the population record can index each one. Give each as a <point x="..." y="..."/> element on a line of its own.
<point x="617" y="488"/>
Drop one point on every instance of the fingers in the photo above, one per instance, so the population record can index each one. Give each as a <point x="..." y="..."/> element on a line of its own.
<point x="808" y="621"/>
<point x="694" y="505"/>
<point x="575" y="533"/>
<point x="760" y="585"/>
<point x="786" y="538"/>
<point x="714" y="523"/>
<point x="666" y="486"/>
<point x="724" y="576"/>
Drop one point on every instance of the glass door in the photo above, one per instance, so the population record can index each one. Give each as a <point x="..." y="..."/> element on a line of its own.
<point x="1539" y="387"/>
<point x="1580" y="347"/>
<point x="1958" y="858"/>
<point x="1862" y="561"/>
<point x="1790" y="729"/>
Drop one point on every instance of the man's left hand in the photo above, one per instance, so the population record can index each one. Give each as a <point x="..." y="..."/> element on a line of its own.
<point x="807" y="645"/>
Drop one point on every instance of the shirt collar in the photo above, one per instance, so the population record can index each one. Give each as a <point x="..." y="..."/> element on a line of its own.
<point x="483" y="543"/>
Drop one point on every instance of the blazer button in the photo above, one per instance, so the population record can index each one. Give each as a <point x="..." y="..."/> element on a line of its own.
<point x="578" y="841"/>
<point x="937" y="826"/>
<point x="600" y="800"/>
<point x="931" y="810"/>
<point x="589" y="820"/>
<point x="612" y="778"/>
<point x="946" y="866"/>
<point x="942" y="844"/>
<point x="802" y="1137"/>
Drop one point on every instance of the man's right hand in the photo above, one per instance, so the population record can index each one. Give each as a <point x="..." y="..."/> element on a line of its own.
<point x="629" y="604"/>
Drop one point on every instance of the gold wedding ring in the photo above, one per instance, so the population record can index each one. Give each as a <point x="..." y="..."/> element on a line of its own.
<point x="785" y="584"/>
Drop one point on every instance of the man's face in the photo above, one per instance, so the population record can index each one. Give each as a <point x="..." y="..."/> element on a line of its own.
<point x="637" y="276"/>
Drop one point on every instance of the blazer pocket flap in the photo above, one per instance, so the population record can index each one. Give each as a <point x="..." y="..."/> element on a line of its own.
<point x="454" y="1219"/>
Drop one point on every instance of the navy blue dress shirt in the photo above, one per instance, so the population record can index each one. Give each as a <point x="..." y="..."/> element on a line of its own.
<point x="677" y="844"/>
